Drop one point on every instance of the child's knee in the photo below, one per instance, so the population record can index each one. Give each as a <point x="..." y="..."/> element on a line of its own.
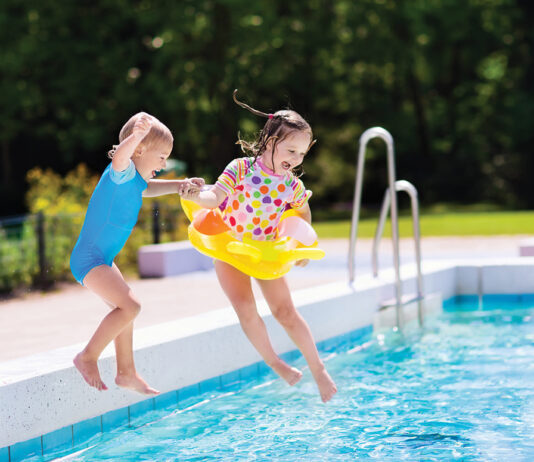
<point x="285" y="314"/>
<point x="132" y="308"/>
<point x="246" y="312"/>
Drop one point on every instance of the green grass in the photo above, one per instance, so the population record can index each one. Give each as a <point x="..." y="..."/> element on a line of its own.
<point x="440" y="224"/>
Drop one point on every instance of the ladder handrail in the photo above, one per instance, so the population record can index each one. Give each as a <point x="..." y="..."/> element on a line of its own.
<point x="367" y="135"/>
<point x="409" y="188"/>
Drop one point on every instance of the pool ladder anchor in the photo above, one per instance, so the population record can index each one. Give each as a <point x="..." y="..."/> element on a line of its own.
<point x="389" y="205"/>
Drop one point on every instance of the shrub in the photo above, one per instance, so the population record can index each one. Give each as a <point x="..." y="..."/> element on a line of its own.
<point x="63" y="201"/>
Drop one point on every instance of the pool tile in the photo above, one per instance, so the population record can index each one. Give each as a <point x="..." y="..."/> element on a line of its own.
<point x="25" y="449"/>
<point x="230" y="379"/>
<point x="526" y="298"/>
<point x="288" y="356"/>
<point x="449" y="302"/>
<point x="467" y="298"/>
<point x="114" y="419"/>
<point x="166" y="400"/>
<point x="328" y="345"/>
<point x="4" y="455"/>
<point x="58" y="439"/>
<point x="210" y="384"/>
<point x="141" y="408"/>
<point x="188" y="392"/>
<point x="500" y="298"/>
<point x="461" y="303"/>
<point x="249" y="372"/>
<point x="293" y="355"/>
<point x="359" y="334"/>
<point x="344" y="339"/>
<point x="189" y="396"/>
<point x="263" y="369"/>
<point x="85" y="430"/>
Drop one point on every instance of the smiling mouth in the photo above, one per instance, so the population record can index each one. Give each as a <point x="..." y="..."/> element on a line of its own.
<point x="286" y="166"/>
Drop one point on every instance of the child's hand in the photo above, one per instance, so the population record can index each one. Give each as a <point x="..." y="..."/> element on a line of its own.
<point x="302" y="263"/>
<point x="191" y="194"/>
<point x="142" y="126"/>
<point x="198" y="182"/>
<point x="188" y="190"/>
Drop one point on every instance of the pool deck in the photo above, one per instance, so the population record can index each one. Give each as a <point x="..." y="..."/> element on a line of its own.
<point x="41" y="322"/>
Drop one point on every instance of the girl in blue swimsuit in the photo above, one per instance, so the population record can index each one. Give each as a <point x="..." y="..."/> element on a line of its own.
<point x="145" y="145"/>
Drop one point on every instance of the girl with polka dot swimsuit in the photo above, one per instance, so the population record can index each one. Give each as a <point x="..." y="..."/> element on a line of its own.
<point x="257" y="197"/>
<point x="253" y="192"/>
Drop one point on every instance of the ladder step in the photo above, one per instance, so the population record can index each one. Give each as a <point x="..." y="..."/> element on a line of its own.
<point x="406" y="298"/>
<point x="386" y="316"/>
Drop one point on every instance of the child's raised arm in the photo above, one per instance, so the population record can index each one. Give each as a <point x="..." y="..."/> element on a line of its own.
<point x="125" y="150"/>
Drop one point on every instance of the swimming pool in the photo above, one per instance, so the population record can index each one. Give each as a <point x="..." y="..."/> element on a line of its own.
<point x="461" y="388"/>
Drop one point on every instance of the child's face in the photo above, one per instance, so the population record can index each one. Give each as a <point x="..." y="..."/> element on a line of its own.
<point x="288" y="154"/>
<point x="152" y="159"/>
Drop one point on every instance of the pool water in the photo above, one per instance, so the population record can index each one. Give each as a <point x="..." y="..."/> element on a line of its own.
<point x="461" y="388"/>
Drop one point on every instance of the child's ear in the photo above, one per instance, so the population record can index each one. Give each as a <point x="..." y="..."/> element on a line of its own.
<point x="139" y="152"/>
<point x="270" y="144"/>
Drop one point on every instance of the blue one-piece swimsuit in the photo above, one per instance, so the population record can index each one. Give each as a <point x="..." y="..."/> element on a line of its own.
<point x="111" y="215"/>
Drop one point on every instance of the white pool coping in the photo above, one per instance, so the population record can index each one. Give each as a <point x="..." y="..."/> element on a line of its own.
<point x="43" y="392"/>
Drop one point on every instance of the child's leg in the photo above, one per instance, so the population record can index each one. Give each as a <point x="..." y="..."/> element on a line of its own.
<point x="237" y="288"/>
<point x="110" y="286"/>
<point x="127" y="376"/>
<point x="278" y="296"/>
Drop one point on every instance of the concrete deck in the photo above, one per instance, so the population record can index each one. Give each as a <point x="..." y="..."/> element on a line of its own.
<point x="41" y="322"/>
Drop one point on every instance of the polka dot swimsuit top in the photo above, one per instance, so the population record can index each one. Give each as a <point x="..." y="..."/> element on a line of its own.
<point x="257" y="197"/>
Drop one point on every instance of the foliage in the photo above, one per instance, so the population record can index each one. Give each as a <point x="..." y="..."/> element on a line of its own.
<point x="452" y="80"/>
<point x="18" y="257"/>
<point x="63" y="201"/>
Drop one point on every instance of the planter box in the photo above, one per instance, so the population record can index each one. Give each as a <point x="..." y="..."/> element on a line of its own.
<point x="171" y="259"/>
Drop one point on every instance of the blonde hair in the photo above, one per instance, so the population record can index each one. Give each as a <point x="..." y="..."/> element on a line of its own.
<point x="157" y="135"/>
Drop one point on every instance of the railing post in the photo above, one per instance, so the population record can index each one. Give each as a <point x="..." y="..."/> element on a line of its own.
<point x="41" y="249"/>
<point x="155" y="223"/>
<point x="402" y="185"/>
<point x="377" y="132"/>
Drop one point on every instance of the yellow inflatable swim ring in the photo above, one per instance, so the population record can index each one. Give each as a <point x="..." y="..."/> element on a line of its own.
<point x="260" y="259"/>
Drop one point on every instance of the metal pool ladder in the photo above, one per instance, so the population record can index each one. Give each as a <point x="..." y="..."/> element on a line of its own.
<point x="391" y="192"/>
<point x="409" y="188"/>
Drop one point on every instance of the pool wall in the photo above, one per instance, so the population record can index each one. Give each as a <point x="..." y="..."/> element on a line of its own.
<point x="44" y="403"/>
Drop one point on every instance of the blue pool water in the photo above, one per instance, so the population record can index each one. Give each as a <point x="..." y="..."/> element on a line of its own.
<point x="462" y="388"/>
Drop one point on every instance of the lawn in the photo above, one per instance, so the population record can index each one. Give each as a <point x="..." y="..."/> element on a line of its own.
<point x="440" y="224"/>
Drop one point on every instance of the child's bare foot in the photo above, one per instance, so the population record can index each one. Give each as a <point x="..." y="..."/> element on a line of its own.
<point x="327" y="387"/>
<point x="290" y="374"/>
<point x="89" y="371"/>
<point x="136" y="383"/>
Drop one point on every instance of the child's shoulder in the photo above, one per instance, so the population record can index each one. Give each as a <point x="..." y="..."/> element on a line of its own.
<point x="294" y="179"/>
<point x="241" y="165"/>
<point x="248" y="161"/>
